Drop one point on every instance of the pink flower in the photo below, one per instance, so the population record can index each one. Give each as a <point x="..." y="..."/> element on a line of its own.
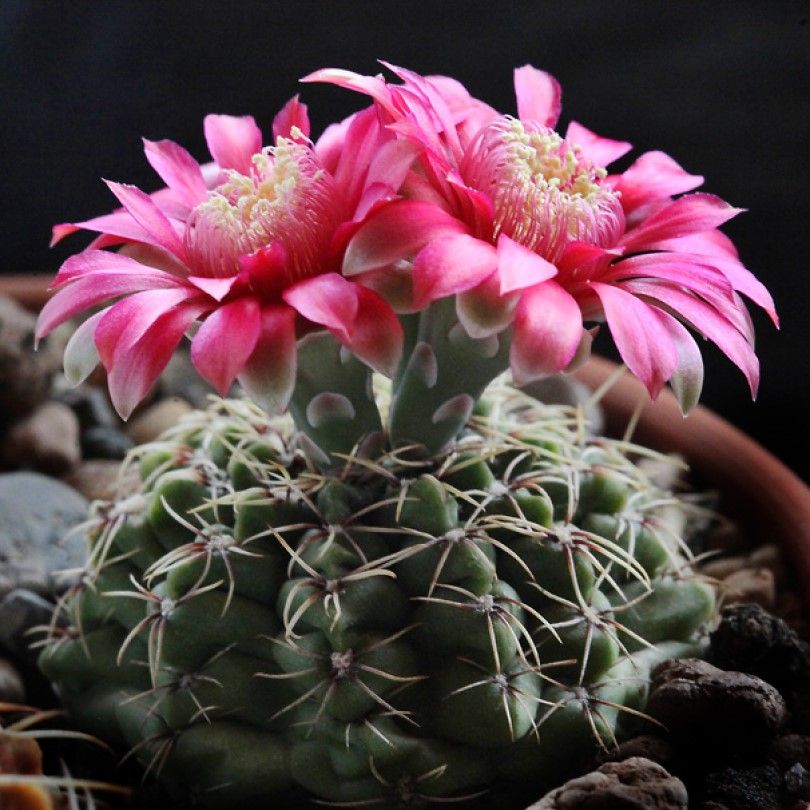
<point x="528" y="229"/>
<point x="248" y="246"/>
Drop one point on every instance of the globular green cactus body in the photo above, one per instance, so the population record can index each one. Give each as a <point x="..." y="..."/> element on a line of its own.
<point x="393" y="631"/>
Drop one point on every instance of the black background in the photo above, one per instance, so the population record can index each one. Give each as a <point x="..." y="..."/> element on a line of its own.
<point x="722" y="87"/>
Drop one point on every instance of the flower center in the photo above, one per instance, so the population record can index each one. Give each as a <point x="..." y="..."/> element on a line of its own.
<point x="545" y="193"/>
<point x="286" y="198"/>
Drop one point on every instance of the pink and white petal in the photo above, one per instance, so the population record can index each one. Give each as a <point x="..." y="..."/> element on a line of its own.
<point x="519" y="267"/>
<point x="146" y="213"/>
<point x="232" y="140"/>
<point x="118" y="224"/>
<point x="94" y="289"/>
<point x="682" y="269"/>
<point x="687" y="379"/>
<point x="395" y="284"/>
<point x="546" y="334"/>
<point x="690" y="214"/>
<point x="217" y="288"/>
<point x="268" y="376"/>
<point x="653" y="176"/>
<point x="128" y="319"/>
<point x="293" y="115"/>
<point x="328" y="300"/>
<point x="136" y="369"/>
<point x="396" y="231"/>
<point x="391" y="164"/>
<point x="538" y="94"/>
<point x="178" y="170"/>
<point x="708" y="321"/>
<point x="598" y="150"/>
<point x="449" y="265"/>
<point x="484" y="311"/>
<point x="81" y="354"/>
<point x="643" y="342"/>
<point x="225" y="341"/>
<point x="373" y="86"/>
<point x="91" y="262"/>
<point x="715" y="253"/>
<point x="376" y="336"/>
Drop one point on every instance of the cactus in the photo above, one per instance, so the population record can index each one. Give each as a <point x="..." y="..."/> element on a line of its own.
<point x="392" y="631"/>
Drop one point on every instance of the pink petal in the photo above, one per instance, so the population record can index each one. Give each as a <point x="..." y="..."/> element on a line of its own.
<point x="653" y="176"/>
<point x="644" y="343"/>
<point x="232" y="140"/>
<point x="714" y="248"/>
<point x="682" y="269"/>
<point x="376" y="336"/>
<point x="81" y="354"/>
<point x="146" y="213"/>
<point x="98" y="285"/>
<point x="91" y="261"/>
<point x="373" y="86"/>
<point x="225" y="341"/>
<point x="686" y="215"/>
<point x="546" y="334"/>
<point x="127" y="320"/>
<point x="136" y="370"/>
<point x="709" y="322"/>
<point x="396" y="231"/>
<point x="217" y="288"/>
<point x="178" y="170"/>
<point x="600" y="151"/>
<point x="484" y="311"/>
<point x="292" y="114"/>
<point x="451" y="265"/>
<point x="538" y="94"/>
<point x="119" y="224"/>
<point x="329" y="300"/>
<point x="269" y="374"/>
<point x="519" y="267"/>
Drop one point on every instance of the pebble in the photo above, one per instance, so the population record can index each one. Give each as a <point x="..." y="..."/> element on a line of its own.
<point x="562" y="389"/>
<point x="156" y="419"/>
<point x="91" y="406"/>
<point x="770" y="557"/>
<point x="749" y="639"/>
<point x="47" y="440"/>
<point x="36" y="514"/>
<point x="797" y="782"/>
<point x="658" y="749"/>
<point x="20" y="611"/>
<point x="728" y="538"/>
<point x="756" y="585"/>
<point x="633" y="783"/>
<point x="181" y="379"/>
<point x="11" y="685"/>
<point x="25" y="375"/>
<point x="105" y="443"/>
<point x="722" y="567"/>
<point x="718" y="711"/>
<point x="97" y="479"/>
<point x="744" y="788"/>
<point x="790" y="749"/>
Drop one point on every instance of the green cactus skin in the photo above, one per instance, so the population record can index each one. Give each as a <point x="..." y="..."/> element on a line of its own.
<point x="386" y="633"/>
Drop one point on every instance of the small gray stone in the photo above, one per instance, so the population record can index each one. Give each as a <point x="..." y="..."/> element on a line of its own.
<point x="181" y="379"/>
<point x="25" y="375"/>
<point x="104" y="442"/>
<point x="91" y="406"/>
<point x="11" y="685"/>
<point x="36" y="515"/>
<point x="156" y="419"/>
<point x="634" y="784"/>
<point x="562" y="389"/>
<point x="21" y="611"/>
<point x="46" y="440"/>
<point x="101" y="479"/>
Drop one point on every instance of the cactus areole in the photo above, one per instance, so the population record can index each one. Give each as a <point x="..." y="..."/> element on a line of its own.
<point x="389" y="592"/>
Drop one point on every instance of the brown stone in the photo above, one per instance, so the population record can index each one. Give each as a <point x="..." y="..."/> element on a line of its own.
<point x="722" y="567"/>
<point x="770" y="557"/>
<point x="633" y="783"/>
<point x="756" y="585"/>
<point x="47" y="440"/>
<point x="98" y="479"/>
<point x="156" y="419"/>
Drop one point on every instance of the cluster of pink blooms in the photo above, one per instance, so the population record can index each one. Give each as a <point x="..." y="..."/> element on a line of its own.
<point x="426" y="193"/>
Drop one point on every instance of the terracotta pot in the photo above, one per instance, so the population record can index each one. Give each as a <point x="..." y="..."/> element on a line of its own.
<point x="756" y="487"/>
